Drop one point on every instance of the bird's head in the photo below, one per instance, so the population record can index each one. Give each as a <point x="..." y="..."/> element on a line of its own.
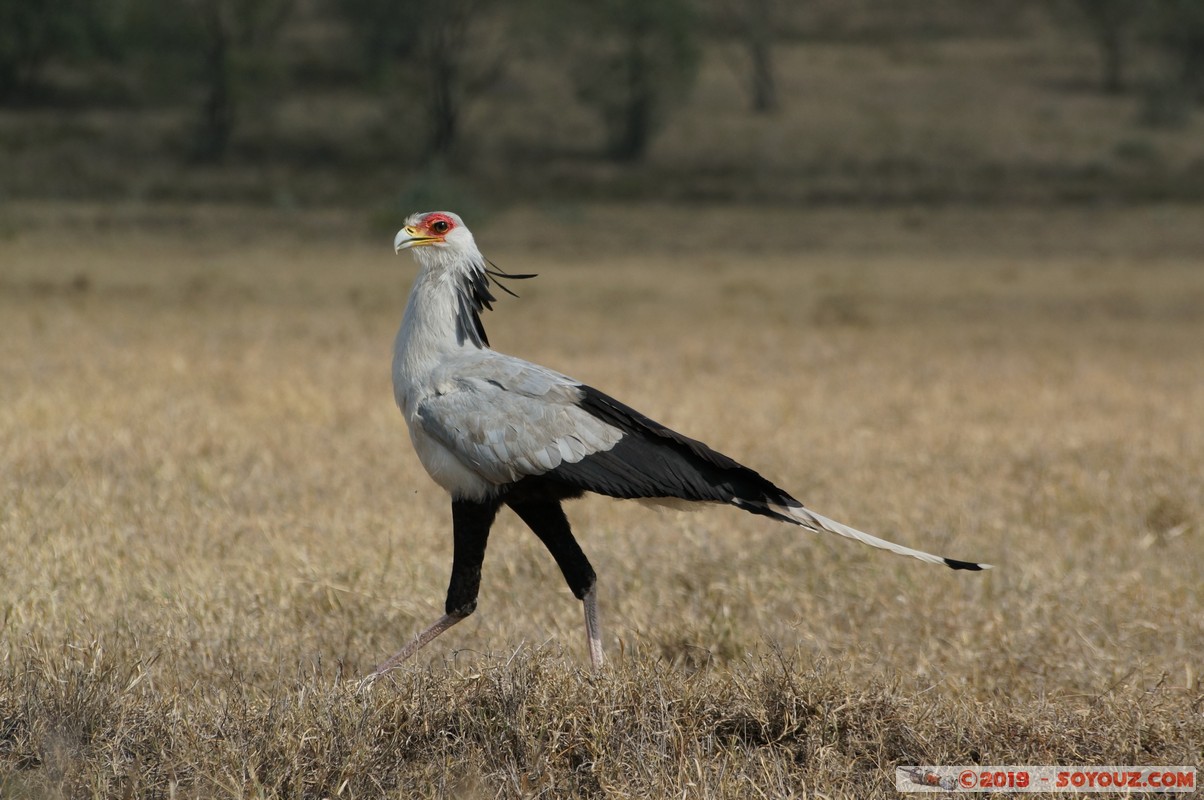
<point x="436" y="236"/>
<point x="442" y="243"/>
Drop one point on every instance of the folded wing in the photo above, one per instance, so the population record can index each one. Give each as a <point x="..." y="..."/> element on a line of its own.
<point x="507" y="419"/>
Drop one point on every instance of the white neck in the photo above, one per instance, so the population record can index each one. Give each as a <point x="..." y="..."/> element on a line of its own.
<point x="432" y="327"/>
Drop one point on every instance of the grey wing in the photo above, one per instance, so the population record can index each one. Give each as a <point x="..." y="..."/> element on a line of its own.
<point x="505" y="418"/>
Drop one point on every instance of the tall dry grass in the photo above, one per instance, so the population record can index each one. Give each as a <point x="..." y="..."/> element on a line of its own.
<point x="211" y="521"/>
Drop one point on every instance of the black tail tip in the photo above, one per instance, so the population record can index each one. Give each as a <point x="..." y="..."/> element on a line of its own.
<point x="953" y="563"/>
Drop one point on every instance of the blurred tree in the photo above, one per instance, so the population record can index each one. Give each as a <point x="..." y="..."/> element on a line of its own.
<point x="380" y="31"/>
<point x="33" y="33"/>
<point x="221" y="47"/>
<point x="1179" y="27"/>
<point x="759" y="40"/>
<point x="442" y="56"/>
<point x="629" y="60"/>
<point x="1112" y="24"/>
<point x="756" y="23"/>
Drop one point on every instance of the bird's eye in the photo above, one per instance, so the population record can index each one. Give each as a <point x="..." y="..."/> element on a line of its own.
<point x="440" y="226"/>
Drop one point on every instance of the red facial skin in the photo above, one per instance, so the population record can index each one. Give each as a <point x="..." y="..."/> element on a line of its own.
<point x="438" y="225"/>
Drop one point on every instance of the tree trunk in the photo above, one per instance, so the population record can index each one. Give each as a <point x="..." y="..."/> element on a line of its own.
<point x="1110" y="21"/>
<point x="23" y="54"/>
<point x="217" y="110"/>
<point x="1192" y="70"/>
<point x="444" y="113"/>
<point x="1112" y="50"/>
<point x="760" y="52"/>
<point x="443" y="80"/>
<point x="634" y="129"/>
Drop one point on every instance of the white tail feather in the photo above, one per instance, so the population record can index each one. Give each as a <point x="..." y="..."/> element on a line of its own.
<point x="820" y="524"/>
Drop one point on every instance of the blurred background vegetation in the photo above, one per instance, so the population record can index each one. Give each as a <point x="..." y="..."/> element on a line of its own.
<point x="386" y="103"/>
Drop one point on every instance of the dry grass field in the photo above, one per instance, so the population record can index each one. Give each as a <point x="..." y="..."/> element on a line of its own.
<point x="211" y="522"/>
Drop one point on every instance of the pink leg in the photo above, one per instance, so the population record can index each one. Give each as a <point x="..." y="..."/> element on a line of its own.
<point x="593" y="630"/>
<point x="417" y="643"/>
<point x="470" y="528"/>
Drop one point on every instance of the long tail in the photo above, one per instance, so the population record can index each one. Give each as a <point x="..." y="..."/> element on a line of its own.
<point x="821" y="524"/>
<point x="652" y="461"/>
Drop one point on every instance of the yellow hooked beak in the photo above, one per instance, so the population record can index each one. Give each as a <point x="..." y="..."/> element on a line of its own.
<point x="409" y="236"/>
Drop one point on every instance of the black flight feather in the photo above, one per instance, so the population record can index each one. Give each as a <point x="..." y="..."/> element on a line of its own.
<point x="653" y="461"/>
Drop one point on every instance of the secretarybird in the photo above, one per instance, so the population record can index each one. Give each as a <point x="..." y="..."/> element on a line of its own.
<point x="495" y="430"/>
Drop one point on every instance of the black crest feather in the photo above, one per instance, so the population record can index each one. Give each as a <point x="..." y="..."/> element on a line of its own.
<point x="474" y="297"/>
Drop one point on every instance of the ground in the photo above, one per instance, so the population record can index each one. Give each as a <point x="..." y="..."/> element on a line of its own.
<point x="211" y="522"/>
